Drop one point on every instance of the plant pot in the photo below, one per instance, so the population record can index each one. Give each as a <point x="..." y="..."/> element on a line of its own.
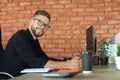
<point x="104" y="60"/>
<point x="95" y="60"/>
<point x="117" y="62"/>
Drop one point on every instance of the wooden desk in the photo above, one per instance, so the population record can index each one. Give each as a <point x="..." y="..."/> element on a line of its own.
<point x="99" y="73"/>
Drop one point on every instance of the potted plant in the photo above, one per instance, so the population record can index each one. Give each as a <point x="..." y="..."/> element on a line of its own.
<point x="117" y="58"/>
<point x="104" y="47"/>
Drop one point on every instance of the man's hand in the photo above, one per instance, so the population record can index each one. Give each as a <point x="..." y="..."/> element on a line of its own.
<point x="75" y="63"/>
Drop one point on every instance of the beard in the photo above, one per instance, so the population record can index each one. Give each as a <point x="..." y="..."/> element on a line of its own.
<point x="36" y="32"/>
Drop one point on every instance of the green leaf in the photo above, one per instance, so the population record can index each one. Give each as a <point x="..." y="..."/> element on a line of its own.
<point x="118" y="50"/>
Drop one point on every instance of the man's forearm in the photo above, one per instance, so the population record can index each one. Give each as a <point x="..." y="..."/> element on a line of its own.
<point x="57" y="65"/>
<point x="74" y="63"/>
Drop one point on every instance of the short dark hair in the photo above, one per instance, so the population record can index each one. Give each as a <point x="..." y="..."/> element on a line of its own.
<point x="41" y="12"/>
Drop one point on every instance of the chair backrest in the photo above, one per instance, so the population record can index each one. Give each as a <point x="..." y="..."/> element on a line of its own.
<point x="3" y="75"/>
<point x="1" y="47"/>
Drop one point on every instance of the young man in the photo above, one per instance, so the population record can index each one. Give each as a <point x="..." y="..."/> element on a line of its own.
<point x="23" y="49"/>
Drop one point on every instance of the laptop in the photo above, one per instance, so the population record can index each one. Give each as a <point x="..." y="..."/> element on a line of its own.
<point x="61" y="73"/>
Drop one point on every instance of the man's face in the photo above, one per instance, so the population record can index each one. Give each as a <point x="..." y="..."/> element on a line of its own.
<point x="39" y="24"/>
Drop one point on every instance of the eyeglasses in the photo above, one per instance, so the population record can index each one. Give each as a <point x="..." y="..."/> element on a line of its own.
<point x="41" y="23"/>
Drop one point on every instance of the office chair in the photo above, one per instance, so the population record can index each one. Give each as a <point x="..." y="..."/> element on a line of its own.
<point x="3" y="75"/>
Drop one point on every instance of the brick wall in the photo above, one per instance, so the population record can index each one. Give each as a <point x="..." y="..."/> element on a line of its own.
<point x="70" y="19"/>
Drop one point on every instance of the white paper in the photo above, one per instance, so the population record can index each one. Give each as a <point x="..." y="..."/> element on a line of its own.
<point x="34" y="70"/>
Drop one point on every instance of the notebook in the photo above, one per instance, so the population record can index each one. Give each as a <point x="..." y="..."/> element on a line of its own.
<point x="36" y="70"/>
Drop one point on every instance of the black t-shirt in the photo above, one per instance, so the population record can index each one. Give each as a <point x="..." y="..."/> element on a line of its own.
<point x="21" y="52"/>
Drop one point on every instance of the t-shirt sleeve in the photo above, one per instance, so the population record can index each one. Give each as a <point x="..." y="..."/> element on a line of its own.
<point x="28" y="53"/>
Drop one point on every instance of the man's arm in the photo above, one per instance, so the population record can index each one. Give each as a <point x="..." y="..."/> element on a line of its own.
<point x="74" y="63"/>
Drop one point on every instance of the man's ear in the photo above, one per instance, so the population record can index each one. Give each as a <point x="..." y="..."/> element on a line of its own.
<point x="31" y="21"/>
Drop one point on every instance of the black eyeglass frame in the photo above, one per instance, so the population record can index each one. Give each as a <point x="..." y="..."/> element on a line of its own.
<point x="40" y="22"/>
